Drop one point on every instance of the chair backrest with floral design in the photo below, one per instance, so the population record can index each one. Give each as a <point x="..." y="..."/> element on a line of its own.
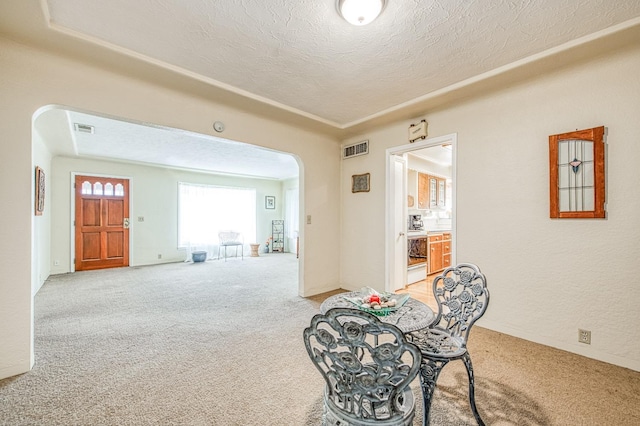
<point x="367" y="364"/>
<point x="462" y="296"/>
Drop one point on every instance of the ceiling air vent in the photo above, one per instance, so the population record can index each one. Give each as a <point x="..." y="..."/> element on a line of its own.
<point x="356" y="149"/>
<point x="84" y="128"/>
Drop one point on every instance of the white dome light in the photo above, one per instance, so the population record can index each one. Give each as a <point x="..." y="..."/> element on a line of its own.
<point x="360" y="12"/>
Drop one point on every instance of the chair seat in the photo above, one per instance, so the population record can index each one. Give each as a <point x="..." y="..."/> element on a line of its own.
<point x="438" y="343"/>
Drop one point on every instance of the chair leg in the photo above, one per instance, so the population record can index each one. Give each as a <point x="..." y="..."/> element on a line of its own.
<point x="429" y="372"/>
<point x="472" y="395"/>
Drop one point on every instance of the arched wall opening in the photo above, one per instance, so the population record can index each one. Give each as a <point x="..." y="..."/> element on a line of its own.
<point x="59" y="150"/>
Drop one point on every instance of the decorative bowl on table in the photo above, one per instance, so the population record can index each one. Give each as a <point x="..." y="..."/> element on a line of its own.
<point x="381" y="304"/>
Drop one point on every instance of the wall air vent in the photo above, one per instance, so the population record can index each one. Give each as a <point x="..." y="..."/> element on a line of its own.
<point x="84" y="128"/>
<point x="355" y="149"/>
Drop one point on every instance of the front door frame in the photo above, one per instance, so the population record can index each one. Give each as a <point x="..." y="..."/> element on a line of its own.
<point x="72" y="236"/>
<point x="390" y="196"/>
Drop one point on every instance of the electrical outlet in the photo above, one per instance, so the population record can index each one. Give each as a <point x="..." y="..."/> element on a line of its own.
<point x="140" y="218"/>
<point x="308" y="219"/>
<point x="56" y="263"/>
<point x="159" y="256"/>
<point x="584" y="336"/>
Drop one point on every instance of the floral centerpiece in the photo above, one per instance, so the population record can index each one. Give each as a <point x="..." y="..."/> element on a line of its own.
<point x="376" y="303"/>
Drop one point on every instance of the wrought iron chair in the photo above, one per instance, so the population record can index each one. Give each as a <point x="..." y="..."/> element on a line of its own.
<point x="230" y="239"/>
<point x="462" y="297"/>
<point x="367" y="366"/>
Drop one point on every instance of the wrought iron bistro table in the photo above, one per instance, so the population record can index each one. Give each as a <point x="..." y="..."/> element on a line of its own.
<point x="413" y="315"/>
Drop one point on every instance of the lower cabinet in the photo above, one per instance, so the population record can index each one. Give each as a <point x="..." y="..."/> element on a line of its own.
<point x="446" y="250"/>
<point x="435" y="253"/>
<point x="439" y="252"/>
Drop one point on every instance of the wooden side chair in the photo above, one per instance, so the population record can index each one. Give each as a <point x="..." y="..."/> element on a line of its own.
<point x="367" y="366"/>
<point x="462" y="297"/>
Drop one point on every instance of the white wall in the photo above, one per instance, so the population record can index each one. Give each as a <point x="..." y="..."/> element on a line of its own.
<point x="547" y="277"/>
<point x="42" y="224"/>
<point x="31" y="79"/>
<point x="290" y="245"/>
<point x="154" y="196"/>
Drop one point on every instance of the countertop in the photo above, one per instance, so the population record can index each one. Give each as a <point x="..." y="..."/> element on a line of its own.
<point x="425" y="232"/>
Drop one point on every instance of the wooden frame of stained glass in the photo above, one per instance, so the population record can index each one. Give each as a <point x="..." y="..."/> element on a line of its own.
<point x="576" y="171"/>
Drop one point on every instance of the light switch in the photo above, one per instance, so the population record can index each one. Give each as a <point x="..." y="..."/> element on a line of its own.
<point x="308" y="219"/>
<point x="140" y="218"/>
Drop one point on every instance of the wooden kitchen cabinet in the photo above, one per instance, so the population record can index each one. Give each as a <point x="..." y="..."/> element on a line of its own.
<point x="439" y="252"/>
<point x="446" y="250"/>
<point x="423" y="191"/>
<point x="435" y="253"/>
<point x="431" y="190"/>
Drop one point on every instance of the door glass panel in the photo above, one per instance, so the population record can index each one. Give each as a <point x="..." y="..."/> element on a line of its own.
<point x="86" y="188"/>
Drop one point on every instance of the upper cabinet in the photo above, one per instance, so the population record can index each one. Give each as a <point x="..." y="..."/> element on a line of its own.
<point x="433" y="192"/>
<point x="429" y="179"/>
<point x="442" y="188"/>
<point x="425" y="192"/>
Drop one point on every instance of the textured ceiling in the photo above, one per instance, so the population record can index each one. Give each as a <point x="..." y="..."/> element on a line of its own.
<point x="302" y="56"/>
<point x="299" y="58"/>
<point x="118" y="140"/>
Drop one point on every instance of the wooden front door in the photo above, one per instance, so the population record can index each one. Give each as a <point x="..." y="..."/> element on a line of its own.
<point x="102" y="222"/>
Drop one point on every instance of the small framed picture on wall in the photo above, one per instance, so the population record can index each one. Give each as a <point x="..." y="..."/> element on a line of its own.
<point x="360" y="183"/>
<point x="40" y="191"/>
<point x="270" y="202"/>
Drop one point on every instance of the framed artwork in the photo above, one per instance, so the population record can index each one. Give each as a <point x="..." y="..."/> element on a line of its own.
<point x="360" y="183"/>
<point x="270" y="202"/>
<point x="576" y="174"/>
<point x="39" y="191"/>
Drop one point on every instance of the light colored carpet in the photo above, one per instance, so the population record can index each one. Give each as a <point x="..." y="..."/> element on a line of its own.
<point x="220" y="343"/>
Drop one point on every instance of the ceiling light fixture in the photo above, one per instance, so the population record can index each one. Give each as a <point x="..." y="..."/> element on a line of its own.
<point x="360" y="12"/>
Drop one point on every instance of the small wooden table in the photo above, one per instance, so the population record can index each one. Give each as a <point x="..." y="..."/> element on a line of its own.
<point x="413" y="315"/>
<point x="254" y="250"/>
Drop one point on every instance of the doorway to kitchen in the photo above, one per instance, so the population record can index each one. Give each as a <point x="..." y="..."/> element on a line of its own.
<point x="420" y="210"/>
